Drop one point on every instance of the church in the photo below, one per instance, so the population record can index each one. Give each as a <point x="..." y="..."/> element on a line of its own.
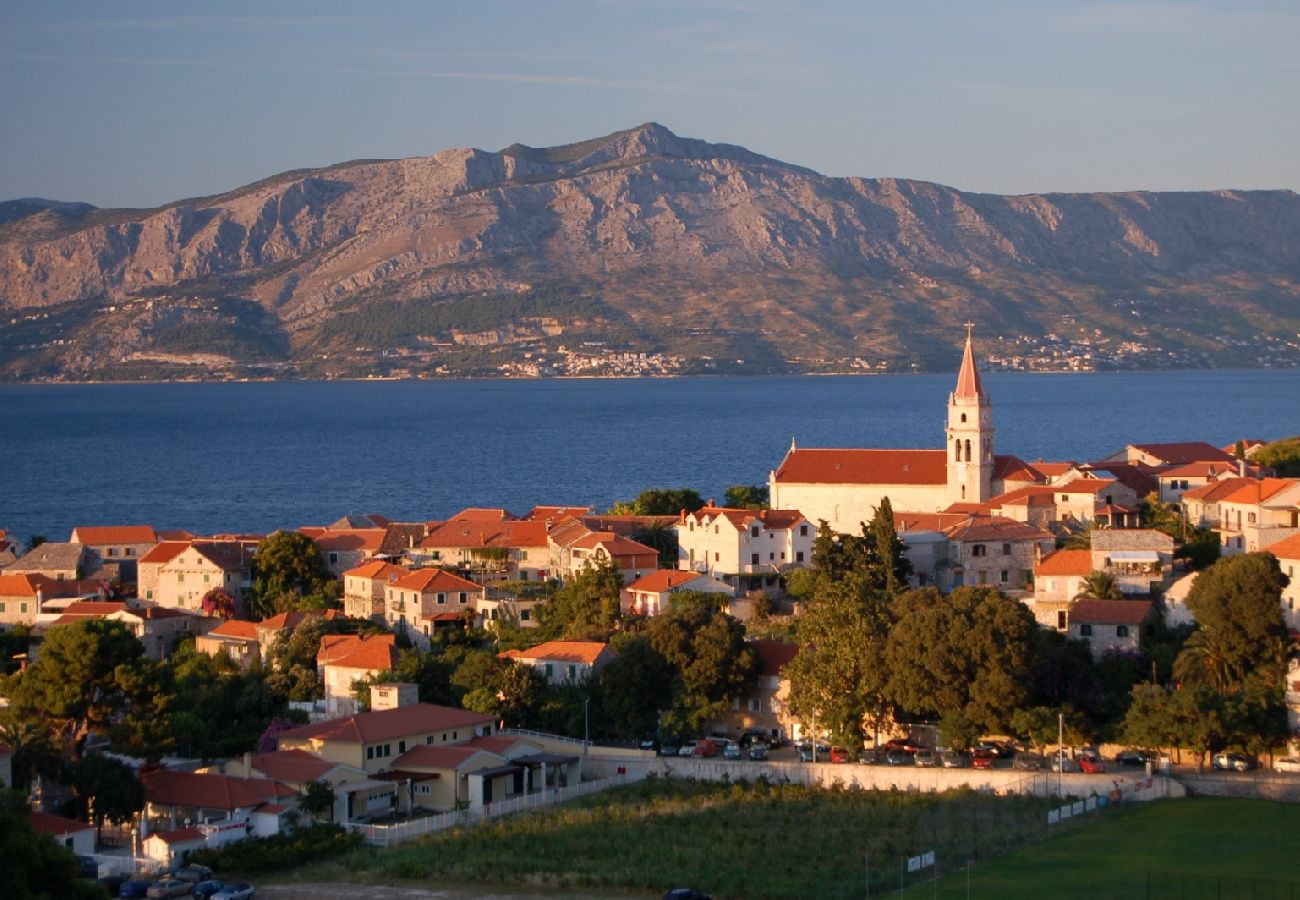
<point x="844" y="487"/>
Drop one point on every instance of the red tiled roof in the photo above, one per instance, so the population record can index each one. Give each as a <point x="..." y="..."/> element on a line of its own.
<point x="378" y="651"/>
<point x="994" y="528"/>
<point x="376" y="569"/>
<point x="1140" y="479"/>
<point x="105" y="535"/>
<point x="1185" y="452"/>
<point x="165" y="552"/>
<point x="662" y="580"/>
<point x="1033" y="495"/>
<point x="1198" y="470"/>
<point x="1013" y="468"/>
<point x="1084" y="486"/>
<point x="1287" y="548"/>
<point x="1216" y="490"/>
<point x="615" y="545"/>
<point x="350" y="539"/>
<point x="774" y="655"/>
<point x="210" y="791"/>
<point x="180" y="835"/>
<point x="817" y="466"/>
<point x="18" y="585"/>
<point x="295" y="617"/>
<point x="484" y="514"/>
<point x="741" y="518"/>
<point x="968" y="378"/>
<point x="1054" y="469"/>
<point x="1065" y="562"/>
<point x="495" y="743"/>
<point x="175" y="534"/>
<point x="48" y="823"/>
<point x="235" y="628"/>
<point x="425" y="580"/>
<point x="427" y="756"/>
<point x="1109" y="612"/>
<point x="910" y="521"/>
<point x="556" y="512"/>
<point x="388" y="723"/>
<point x="585" y="652"/>
<point x="1259" y="491"/>
<point x="291" y="766"/>
<point x="442" y="617"/>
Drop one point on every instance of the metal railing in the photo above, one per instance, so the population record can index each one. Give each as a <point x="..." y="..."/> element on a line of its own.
<point x="401" y="832"/>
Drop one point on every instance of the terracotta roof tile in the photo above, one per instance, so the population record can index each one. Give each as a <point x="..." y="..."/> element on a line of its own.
<point x="211" y="791"/>
<point x="968" y="377"/>
<point x="817" y="466"/>
<point x="1216" y="490"/>
<point x="48" y="823"/>
<point x="662" y="580"/>
<point x="235" y="628"/>
<point x="388" y="723"/>
<point x="365" y="539"/>
<point x="291" y="766"/>
<point x="773" y="519"/>
<point x="585" y="652"/>
<point x="377" y="652"/>
<point x="441" y="757"/>
<point x="1259" y="491"/>
<point x="774" y="655"/>
<point x="484" y="514"/>
<point x="427" y="580"/>
<point x="105" y="535"/>
<point x="1110" y="612"/>
<point x="1287" y="548"/>
<point x="165" y="552"/>
<point x="376" y="569"/>
<point x="1184" y="452"/>
<point x="19" y="585"/>
<point x="1065" y="562"/>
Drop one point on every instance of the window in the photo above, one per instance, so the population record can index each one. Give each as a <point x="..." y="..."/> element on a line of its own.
<point x="1061" y="622"/>
<point x="572" y="673"/>
<point x="753" y="532"/>
<point x="525" y="615"/>
<point x="442" y="599"/>
<point x="755" y="705"/>
<point x="112" y="551"/>
<point x="978" y="550"/>
<point x="798" y="556"/>
<point x="984" y="577"/>
<point x="803" y="531"/>
<point x="128" y="552"/>
<point x="716" y="557"/>
<point x="462" y="597"/>
<point x="2" y="607"/>
<point x="1121" y="631"/>
<point x="1006" y="549"/>
<point x="370" y="753"/>
<point x="716" y="530"/>
<point x="1004" y="576"/>
<point x="148" y="595"/>
<point x="753" y="559"/>
<point x="548" y="670"/>
<point x="334" y="558"/>
<point x="401" y="746"/>
<point x="180" y="577"/>
<point x="22" y="607"/>
<point x="1085" y="630"/>
<point x="428" y="739"/>
<point x="454" y="735"/>
<point x="388" y="749"/>
<point x="205" y="577"/>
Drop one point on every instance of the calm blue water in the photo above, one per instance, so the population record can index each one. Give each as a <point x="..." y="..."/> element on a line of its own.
<point x="225" y="457"/>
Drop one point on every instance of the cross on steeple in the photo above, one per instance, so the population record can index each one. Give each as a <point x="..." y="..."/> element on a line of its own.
<point x="970" y="326"/>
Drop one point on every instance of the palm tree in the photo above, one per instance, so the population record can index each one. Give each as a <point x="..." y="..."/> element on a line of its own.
<point x="34" y="751"/>
<point x="1201" y="662"/>
<point x="1079" y="540"/>
<point x="1099" y="586"/>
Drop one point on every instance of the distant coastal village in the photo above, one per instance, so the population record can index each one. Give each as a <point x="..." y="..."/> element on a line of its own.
<point x="919" y="619"/>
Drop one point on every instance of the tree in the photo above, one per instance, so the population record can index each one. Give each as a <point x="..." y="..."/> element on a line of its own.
<point x="1237" y="605"/>
<point x="220" y="709"/>
<point x="958" y="732"/>
<point x="80" y="681"/>
<point x="106" y="789"/>
<point x="636" y="687"/>
<point x="968" y="653"/>
<point x="746" y="496"/>
<point x="711" y="661"/>
<point x="1282" y="456"/>
<point x="32" y="865"/>
<point x="660" y="535"/>
<point x="34" y="751"/>
<point x="289" y="572"/>
<point x="893" y="562"/>
<point x="1079" y="539"/>
<point x="317" y="799"/>
<point x="587" y="606"/>
<point x="217" y="602"/>
<point x="1098" y="585"/>
<point x="660" y="502"/>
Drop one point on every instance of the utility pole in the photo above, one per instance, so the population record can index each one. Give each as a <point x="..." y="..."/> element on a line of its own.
<point x="1060" y="754"/>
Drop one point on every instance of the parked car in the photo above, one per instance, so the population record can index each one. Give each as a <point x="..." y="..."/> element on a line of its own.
<point x="134" y="889"/>
<point x="237" y="891"/>
<point x="651" y="744"/>
<point x="731" y="750"/>
<point x="87" y="867"/>
<point x="205" y="889"/>
<point x="1132" y="757"/>
<point x="898" y="757"/>
<point x="1236" y="762"/>
<point x="169" y="887"/>
<point x="751" y="737"/>
<point x="1091" y="765"/>
<point x="900" y="744"/>
<point x="952" y="759"/>
<point x="927" y="759"/>
<point x="1029" y="761"/>
<point x="983" y="758"/>
<point x="111" y="883"/>
<point x="193" y="873"/>
<point x="705" y="747"/>
<point x="758" y="751"/>
<point x="669" y="748"/>
<point x="839" y="755"/>
<point x="871" y="757"/>
<point x="1287" y="764"/>
<point x="687" y="748"/>
<point x="1061" y="762"/>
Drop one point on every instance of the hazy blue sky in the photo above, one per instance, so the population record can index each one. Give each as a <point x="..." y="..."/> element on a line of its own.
<point x="135" y="104"/>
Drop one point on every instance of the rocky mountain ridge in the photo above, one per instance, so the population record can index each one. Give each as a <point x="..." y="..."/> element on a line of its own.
<point x="642" y="242"/>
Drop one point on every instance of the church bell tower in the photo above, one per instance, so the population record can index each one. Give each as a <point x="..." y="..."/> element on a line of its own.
<point x="970" y="434"/>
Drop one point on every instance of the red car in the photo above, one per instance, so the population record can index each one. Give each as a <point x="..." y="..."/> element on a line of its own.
<point x="705" y="747"/>
<point x="1091" y="765"/>
<point x="982" y="758"/>
<point x="839" y="755"/>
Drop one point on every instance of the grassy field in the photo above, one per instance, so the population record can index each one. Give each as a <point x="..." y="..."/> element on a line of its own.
<point x="733" y="840"/>
<point x="1203" y="847"/>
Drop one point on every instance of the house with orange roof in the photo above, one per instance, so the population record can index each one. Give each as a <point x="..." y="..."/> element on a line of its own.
<point x="120" y="544"/>
<point x="574" y="547"/>
<point x="1287" y="552"/>
<point x="1177" y="453"/>
<point x="993" y="550"/>
<point x="1259" y="513"/>
<point x="21" y="596"/>
<point x="77" y="836"/>
<point x="364" y="589"/>
<point x="1175" y="481"/>
<point x="1201" y="504"/>
<point x="345" y="659"/>
<point x="650" y="594"/>
<point x="420" y="602"/>
<point x="236" y="638"/>
<point x="1058" y="579"/>
<point x="225" y="808"/>
<point x="564" y="662"/>
<point x="746" y="548"/>
<point x="57" y="562"/>
<point x="487" y="549"/>
<point x="844" y="487"/>
<point x="158" y="628"/>
<point x="1110" y="626"/>
<point x="347" y="548"/>
<point x="766" y="707"/>
<point x="177" y="574"/>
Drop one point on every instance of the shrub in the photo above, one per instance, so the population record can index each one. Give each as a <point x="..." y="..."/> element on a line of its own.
<point x="254" y="856"/>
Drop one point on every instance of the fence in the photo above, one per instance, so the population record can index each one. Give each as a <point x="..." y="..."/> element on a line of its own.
<point x="401" y="832"/>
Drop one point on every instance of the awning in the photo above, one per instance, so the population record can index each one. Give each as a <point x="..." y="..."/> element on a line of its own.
<point x="494" y="771"/>
<point x="1148" y="556"/>
<point x="354" y="787"/>
<point x="550" y="759"/>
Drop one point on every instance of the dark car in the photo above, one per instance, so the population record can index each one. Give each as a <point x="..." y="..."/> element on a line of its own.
<point x="111" y="883"/>
<point x="651" y="744"/>
<point x="134" y="889"/>
<point x="749" y="738"/>
<point x="897" y="757"/>
<point x="206" y="889"/>
<point x="758" y="751"/>
<point x="871" y="757"/>
<point x="193" y="874"/>
<point x="1132" y="758"/>
<point x="669" y="748"/>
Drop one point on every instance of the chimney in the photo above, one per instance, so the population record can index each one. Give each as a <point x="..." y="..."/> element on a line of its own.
<point x="248" y="765"/>
<point x="1241" y="468"/>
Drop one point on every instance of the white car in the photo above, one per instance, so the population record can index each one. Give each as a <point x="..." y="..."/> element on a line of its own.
<point x="1287" y="764"/>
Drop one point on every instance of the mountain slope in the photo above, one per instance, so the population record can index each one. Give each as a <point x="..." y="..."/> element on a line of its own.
<point x="642" y="240"/>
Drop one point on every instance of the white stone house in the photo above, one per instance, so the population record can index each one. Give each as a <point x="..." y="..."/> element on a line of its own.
<point x="650" y="594"/>
<point x="1109" y="626"/>
<point x="564" y="662"/>
<point x="745" y="548"/>
<point x="1140" y="559"/>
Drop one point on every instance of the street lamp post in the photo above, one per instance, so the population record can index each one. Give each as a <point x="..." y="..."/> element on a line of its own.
<point x="586" y="726"/>
<point x="1060" y="754"/>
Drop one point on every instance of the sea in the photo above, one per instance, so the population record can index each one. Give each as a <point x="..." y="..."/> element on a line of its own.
<point x="253" y="457"/>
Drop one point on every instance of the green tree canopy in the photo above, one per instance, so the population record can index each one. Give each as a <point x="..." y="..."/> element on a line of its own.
<point x="586" y="607"/>
<point x="289" y="572"/>
<point x="710" y="658"/>
<point x="746" y="496"/>
<point x="1099" y="585"/>
<point x="1282" y="456"/>
<point x="1237" y="603"/>
<point x="636" y="687"/>
<point x="660" y="502"/>
<point x="317" y="799"/>
<point x="968" y="653"/>
<point x="32" y="865"/>
<point x="106" y="789"/>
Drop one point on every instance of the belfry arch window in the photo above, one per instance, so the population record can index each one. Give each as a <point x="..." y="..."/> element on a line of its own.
<point x="968" y="457"/>
<point x="957" y="448"/>
<point x="963" y="417"/>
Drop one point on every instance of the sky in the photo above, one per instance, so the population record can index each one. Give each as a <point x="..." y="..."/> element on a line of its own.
<point x="137" y="104"/>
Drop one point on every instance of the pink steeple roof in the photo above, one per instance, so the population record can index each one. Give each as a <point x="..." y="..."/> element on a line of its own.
<point x="968" y="379"/>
